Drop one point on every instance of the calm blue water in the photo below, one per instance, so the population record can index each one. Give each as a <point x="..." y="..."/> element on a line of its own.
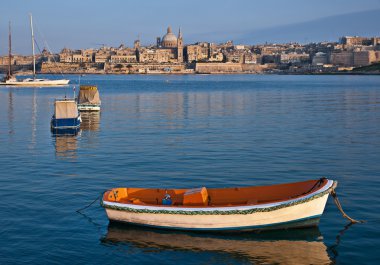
<point x="189" y="131"/>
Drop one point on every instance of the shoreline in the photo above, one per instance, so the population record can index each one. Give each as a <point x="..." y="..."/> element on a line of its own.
<point x="27" y="73"/>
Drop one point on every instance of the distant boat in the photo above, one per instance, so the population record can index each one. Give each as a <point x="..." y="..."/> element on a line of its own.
<point x="10" y="80"/>
<point x="299" y="204"/>
<point x="66" y="118"/>
<point x="88" y="98"/>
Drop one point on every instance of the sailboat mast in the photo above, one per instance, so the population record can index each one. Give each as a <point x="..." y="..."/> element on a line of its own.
<point x="34" y="56"/>
<point x="9" y="51"/>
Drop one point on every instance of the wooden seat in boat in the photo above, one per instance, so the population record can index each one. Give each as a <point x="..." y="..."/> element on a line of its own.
<point x="195" y="197"/>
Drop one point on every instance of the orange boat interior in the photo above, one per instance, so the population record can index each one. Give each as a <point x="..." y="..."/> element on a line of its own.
<point x="217" y="197"/>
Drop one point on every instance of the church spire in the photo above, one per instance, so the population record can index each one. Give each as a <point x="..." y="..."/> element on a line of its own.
<point x="179" y="33"/>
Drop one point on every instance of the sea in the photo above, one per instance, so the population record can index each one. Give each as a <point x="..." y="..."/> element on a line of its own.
<point x="189" y="131"/>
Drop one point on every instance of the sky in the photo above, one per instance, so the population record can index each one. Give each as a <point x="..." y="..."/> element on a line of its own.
<point x="80" y="24"/>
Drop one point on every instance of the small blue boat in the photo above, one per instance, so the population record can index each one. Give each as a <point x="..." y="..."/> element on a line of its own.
<point x="66" y="116"/>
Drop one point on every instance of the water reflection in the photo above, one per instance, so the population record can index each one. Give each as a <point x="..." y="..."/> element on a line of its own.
<point x="303" y="246"/>
<point x="90" y="121"/>
<point x="34" y="119"/>
<point x="10" y="112"/>
<point x="66" y="145"/>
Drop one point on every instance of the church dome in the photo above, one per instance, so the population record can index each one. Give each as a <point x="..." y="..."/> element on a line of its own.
<point x="169" y="40"/>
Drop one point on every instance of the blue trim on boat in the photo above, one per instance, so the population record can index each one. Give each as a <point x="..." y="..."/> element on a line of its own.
<point x="302" y="222"/>
<point x="71" y="123"/>
<point x="70" y="131"/>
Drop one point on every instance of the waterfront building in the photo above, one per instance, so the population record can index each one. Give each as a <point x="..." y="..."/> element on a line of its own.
<point x="88" y="55"/>
<point x="17" y="60"/>
<point x="66" y="56"/>
<point x="124" y="55"/>
<point x="154" y="55"/>
<point x="216" y="57"/>
<point x="320" y="58"/>
<point x="355" y="58"/>
<point x="77" y="56"/>
<point x="207" y="68"/>
<point x="251" y="58"/>
<point x="294" y="58"/>
<point x="343" y="58"/>
<point x="363" y="58"/>
<point x="234" y="56"/>
<point x="102" y="56"/>
<point x="197" y="52"/>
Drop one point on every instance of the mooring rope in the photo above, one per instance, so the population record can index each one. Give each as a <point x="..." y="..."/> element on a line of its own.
<point x="337" y="202"/>
<point x="84" y="208"/>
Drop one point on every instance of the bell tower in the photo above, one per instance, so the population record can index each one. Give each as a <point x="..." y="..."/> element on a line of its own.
<point x="180" y="47"/>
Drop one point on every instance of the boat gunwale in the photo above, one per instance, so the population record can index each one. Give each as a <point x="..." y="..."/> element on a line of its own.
<point x="239" y="209"/>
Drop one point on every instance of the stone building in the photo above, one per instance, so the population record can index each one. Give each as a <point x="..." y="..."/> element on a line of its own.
<point x="197" y="52"/>
<point x="294" y="58"/>
<point x="124" y="55"/>
<point x="77" y="56"/>
<point x="363" y="58"/>
<point x="251" y="58"/>
<point x="320" y="58"/>
<point x="234" y="56"/>
<point x="16" y="60"/>
<point x="154" y="55"/>
<point x="355" y="58"/>
<point x="66" y="56"/>
<point x="344" y="58"/>
<point x="353" y="41"/>
<point x="207" y="68"/>
<point x="102" y="56"/>
<point x="87" y="55"/>
<point x="216" y="57"/>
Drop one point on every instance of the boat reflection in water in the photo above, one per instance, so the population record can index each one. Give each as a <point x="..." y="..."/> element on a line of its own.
<point x="65" y="145"/>
<point x="296" y="246"/>
<point x="90" y="121"/>
<point x="66" y="140"/>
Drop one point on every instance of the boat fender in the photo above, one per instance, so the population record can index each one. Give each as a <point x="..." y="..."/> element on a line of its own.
<point x="167" y="200"/>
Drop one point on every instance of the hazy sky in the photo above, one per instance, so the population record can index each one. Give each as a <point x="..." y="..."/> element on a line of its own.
<point x="90" y="23"/>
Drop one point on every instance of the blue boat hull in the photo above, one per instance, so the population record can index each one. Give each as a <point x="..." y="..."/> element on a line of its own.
<point x="70" y="126"/>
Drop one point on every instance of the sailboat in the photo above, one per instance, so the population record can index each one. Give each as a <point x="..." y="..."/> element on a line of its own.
<point x="10" y="80"/>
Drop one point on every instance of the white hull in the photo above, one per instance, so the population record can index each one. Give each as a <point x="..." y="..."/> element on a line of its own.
<point x="304" y="211"/>
<point x="36" y="82"/>
<point x="88" y="108"/>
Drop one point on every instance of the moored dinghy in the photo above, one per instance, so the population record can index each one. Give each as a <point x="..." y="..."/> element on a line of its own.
<point x="66" y="117"/>
<point x="88" y="99"/>
<point x="299" y="204"/>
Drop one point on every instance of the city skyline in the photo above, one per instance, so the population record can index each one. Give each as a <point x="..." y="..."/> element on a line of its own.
<point x="89" y="24"/>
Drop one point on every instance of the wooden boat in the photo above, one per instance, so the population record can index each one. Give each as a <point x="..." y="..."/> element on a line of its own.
<point x="299" y="204"/>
